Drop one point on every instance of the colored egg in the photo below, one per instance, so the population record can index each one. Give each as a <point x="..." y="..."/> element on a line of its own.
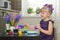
<point x="20" y="33"/>
<point x="20" y="26"/>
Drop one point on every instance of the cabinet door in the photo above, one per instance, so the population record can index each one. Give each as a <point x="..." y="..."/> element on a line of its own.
<point x="2" y="25"/>
<point x="16" y="5"/>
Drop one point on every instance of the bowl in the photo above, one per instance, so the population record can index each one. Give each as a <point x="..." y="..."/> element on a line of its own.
<point x="15" y="30"/>
<point x="32" y="33"/>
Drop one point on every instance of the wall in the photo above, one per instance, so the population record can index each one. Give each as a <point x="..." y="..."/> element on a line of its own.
<point x="58" y="20"/>
<point x="31" y="20"/>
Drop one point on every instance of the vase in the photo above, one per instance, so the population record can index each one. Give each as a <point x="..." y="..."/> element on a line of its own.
<point x="7" y="26"/>
<point x="15" y="31"/>
<point x="11" y="28"/>
<point x="7" y="31"/>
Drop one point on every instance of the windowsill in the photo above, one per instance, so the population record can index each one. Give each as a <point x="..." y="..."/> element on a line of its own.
<point x="23" y="15"/>
<point x="30" y="15"/>
<point x="4" y="9"/>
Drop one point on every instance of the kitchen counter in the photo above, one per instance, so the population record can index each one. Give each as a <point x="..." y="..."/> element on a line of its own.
<point x="15" y="37"/>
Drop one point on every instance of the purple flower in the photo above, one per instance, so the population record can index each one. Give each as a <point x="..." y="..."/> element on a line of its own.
<point x="7" y="18"/>
<point x="18" y="18"/>
<point x="50" y="6"/>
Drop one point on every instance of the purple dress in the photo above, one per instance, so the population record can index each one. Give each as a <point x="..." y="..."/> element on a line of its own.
<point x="44" y="25"/>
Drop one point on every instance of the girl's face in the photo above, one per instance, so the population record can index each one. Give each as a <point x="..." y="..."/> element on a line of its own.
<point x="45" y="12"/>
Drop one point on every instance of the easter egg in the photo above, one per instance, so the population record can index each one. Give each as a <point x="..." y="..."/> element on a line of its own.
<point x="20" y="26"/>
<point x="19" y="33"/>
<point x="10" y="33"/>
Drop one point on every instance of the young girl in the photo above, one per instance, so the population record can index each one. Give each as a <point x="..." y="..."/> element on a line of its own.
<point x="46" y="25"/>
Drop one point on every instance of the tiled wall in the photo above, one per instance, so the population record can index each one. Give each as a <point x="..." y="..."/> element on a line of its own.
<point x="16" y="4"/>
<point x="58" y="30"/>
<point x="30" y="20"/>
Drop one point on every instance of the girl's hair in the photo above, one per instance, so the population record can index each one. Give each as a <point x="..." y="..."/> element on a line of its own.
<point x="50" y="6"/>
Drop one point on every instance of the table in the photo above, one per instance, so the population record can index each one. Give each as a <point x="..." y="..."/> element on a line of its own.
<point x="14" y="37"/>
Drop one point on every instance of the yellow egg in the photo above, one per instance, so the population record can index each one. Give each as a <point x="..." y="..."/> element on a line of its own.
<point x="20" y="33"/>
<point x="25" y="27"/>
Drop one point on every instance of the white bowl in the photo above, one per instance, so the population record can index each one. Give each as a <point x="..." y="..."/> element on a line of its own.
<point x="32" y="32"/>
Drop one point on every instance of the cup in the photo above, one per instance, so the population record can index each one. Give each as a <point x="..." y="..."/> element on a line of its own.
<point x="11" y="28"/>
<point x="15" y="31"/>
<point x="7" y="31"/>
<point x="7" y="26"/>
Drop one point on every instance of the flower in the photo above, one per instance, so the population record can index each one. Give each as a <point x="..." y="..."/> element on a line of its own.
<point x="18" y="18"/>
<point x="7" y="18"/>
<point x="50" y="6"/>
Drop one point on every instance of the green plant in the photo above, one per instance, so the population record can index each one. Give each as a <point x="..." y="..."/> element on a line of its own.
<point x="30" y="10"/>
<point x="38" y="10"/>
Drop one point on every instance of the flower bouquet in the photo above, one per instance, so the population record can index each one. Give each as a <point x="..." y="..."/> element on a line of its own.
<point x="8" y="20"/>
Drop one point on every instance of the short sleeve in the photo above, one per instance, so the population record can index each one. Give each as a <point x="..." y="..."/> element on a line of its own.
<point x="51" y="21"/>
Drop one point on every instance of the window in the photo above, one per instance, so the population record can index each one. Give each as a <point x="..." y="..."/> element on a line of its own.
<point x="37" y="3"/>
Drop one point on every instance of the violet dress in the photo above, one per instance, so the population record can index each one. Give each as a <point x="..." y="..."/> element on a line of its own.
<point x="44" y="25"/>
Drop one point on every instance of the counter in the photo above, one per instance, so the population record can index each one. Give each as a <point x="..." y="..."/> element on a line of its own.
<point x="15" y="37"/>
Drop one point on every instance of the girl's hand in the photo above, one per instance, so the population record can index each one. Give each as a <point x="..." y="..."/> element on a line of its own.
<point x="27" y="25"/>
<point x="38" y="27"/>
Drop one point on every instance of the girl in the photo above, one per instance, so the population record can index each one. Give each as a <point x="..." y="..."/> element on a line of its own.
<point x="46" y="25"/>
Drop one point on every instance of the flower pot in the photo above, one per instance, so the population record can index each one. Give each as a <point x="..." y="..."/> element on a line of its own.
<point x="15" y="31"/>
<point x="11" y="28"/>
<point x="7" y="31"/>
<point x="7" y="26"/>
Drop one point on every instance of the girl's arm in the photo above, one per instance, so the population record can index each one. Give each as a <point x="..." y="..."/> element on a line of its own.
<point x="50" y="29"/>
<point x="30" y="27"/>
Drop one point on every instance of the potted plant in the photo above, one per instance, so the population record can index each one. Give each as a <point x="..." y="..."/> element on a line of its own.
<point x="30" y="10"/>
<point x="9" y="23"/>
<point x="38" y="10"/>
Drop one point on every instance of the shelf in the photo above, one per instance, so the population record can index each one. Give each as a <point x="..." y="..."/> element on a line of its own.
<point x="30" y="15"/>
<point x="4" y="9"/>
<point x="26" y="15"/>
